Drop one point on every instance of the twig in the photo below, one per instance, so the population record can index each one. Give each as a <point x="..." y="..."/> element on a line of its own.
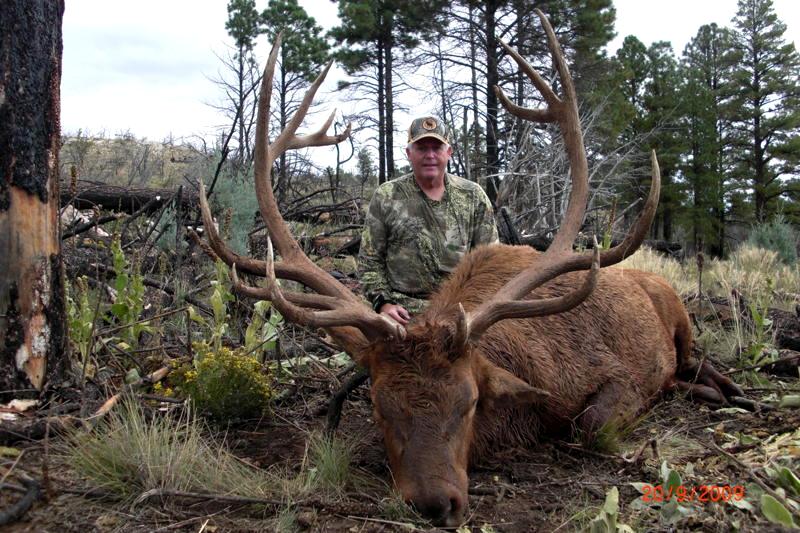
<point x="86" y="226"/>
<point x="123" y="352"/>
<point x="109" y="404"/>
<point x="154" y="493"/>
<point x="335" y="405"/>
<point x="148" y="319"/>
<point x="749" y="471"/>
<point x="158" y="398"/>
<point x="11" y="469"/>
<point x="15" y="512"/>
<point x="406" y="525"/>
<point x="762" y="365"/>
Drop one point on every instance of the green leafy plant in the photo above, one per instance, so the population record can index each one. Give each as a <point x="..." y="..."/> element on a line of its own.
<point x="221" y="294"/>
<point x="261" y="334"/>
<point x="775" y="512"/>
<point x="129" y="303"/>
<point x="760" y="348"/>
<point x="81" y="317"/>
<point x="227" y="384"/>
<point x="669" y="508"/>
<point x="606" y="519"/>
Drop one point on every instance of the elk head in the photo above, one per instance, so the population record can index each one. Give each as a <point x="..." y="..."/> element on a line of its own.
<point x="430" y="383"/>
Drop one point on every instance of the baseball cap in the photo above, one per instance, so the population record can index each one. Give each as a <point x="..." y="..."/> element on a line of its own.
<point x="428" y="127"/>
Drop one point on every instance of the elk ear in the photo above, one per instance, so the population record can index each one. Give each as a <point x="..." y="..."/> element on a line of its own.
<point x="460" y="339"/>
<point x="504" y="388"/>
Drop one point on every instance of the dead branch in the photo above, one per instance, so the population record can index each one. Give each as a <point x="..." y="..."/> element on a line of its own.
<point x="16" y="511"/>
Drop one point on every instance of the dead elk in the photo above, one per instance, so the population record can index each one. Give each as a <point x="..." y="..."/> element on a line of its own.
<point x="514" y="345"/>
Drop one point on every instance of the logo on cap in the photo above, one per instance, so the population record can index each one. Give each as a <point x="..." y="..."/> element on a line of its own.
<point x="429" y="124"/>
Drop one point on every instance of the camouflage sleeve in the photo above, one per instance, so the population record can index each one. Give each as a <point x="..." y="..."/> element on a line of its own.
<point x="372" y="255"/>
<point x="485" y="230"/>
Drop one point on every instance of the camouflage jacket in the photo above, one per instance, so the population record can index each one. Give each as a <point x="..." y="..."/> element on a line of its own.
<point x="410" y="243"/>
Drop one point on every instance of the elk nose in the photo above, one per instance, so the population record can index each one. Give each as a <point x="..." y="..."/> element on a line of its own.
<point x="443" y="508"/>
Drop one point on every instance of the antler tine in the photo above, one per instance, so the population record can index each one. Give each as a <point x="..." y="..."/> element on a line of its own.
<point x="265" y="155"/>
<point x="320" y="137"/>
<point x="286" y="138"/>
<point x="638" y="231"/>
<point x="500" y="308"/>
<point x="313" y="301"/>
<point x="337" y="312"/>
<point x="229" y="257"/>
<point x="559" y="259"/>
<point x="565" y="112"/>
<point x="558" y="57"/>
<point x="541" y="85"/>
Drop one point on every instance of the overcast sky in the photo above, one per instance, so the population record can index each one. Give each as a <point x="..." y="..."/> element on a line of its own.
<point x="146" y="66"/>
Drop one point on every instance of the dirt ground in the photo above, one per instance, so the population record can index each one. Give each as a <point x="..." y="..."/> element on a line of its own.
<point x="556" y="486"/>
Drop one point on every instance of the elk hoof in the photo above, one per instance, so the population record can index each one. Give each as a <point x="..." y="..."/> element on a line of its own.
<point x="704" y="383"/>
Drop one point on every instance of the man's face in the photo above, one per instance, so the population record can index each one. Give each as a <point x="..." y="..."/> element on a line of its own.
<point x="428" y="158"/>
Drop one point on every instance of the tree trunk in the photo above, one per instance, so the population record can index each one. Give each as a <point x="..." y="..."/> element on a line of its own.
<point x="492" y="79"/>
<point x="389" y="92"/>
<point x="381" y="117"/>
<point x="32" y="316"/>
<point x="473" y="56"/>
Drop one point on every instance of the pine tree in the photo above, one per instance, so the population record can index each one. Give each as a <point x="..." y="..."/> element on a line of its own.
<point x="243" y="27"/>
<point x="661" y="118"/>
<point x="372" y="34"/>
<point x="705" y="91"/>
<point x="765" y="112"/>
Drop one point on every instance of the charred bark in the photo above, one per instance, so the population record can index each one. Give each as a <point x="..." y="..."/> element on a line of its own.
<point x="32" y="317"/>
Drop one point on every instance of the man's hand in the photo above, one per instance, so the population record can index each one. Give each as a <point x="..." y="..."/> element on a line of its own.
<point x="396" y="312"/>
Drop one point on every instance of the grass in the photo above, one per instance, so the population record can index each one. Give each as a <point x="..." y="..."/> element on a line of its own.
<point x="683" y="278"/>
<point x="328" y="464"/>
<point x="395" y="509"/>
<point x="128" y="455"/>
<point x="286" y="521"/>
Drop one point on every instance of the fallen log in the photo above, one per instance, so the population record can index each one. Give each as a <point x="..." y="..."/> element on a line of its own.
<point x="89" y="194"/>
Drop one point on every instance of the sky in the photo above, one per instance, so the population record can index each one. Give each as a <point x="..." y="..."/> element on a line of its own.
<point x="147" y="67"/>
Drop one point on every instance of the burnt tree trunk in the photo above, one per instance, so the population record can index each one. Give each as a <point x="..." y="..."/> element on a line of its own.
<point x="32" y="315"/>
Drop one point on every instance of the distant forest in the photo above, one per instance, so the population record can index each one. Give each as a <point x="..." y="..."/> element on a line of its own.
<point x="722" y="114"/>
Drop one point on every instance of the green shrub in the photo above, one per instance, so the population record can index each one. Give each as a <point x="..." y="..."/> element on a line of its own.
<point x="235" y="193"/>
<point x="225" y="384"/>
<point x="778" y="236"/>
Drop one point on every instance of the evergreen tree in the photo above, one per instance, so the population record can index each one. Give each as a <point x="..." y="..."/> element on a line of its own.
<point x="765" y="110"/>
<point x="243" y="27"/>
<point x="705" y="91"/>
<point x="372" y="34"/>
<point x="661" y="119"/>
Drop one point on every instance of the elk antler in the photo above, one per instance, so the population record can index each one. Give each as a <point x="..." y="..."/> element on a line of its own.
<point x="559" y="259"/>
<point x="334" y="304"/>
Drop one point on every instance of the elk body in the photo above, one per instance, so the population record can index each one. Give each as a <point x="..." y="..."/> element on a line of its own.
<point x="514" y="345"/>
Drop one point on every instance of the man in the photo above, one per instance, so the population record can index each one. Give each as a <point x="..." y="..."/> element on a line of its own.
<point x="420" y="225"/>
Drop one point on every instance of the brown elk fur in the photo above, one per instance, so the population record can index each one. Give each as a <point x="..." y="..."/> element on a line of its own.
<point x="631" y="334"/>
<point x="604" y="361"/>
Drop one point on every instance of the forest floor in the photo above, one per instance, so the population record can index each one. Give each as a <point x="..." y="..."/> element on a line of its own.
<point x="556" y="486"/>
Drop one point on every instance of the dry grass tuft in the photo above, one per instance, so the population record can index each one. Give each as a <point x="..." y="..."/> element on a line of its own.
<point x="128" y="455"/>
<point x="683" y="278"/>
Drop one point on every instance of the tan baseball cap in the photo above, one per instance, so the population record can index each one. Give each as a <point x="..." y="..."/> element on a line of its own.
<point x="428" y="127"/>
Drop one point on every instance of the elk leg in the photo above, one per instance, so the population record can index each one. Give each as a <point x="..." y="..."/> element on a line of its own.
<point x="702" y="393"/>
<point x="337" y="402"/>
<point x="708" y="376"/>
<point x="602" y="408"/>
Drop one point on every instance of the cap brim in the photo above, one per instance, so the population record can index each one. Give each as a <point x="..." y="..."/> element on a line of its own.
<point x="429" y="135"/>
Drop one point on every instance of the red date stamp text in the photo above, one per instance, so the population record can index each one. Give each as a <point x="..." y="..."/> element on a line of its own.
<point x="684" y="493"/>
